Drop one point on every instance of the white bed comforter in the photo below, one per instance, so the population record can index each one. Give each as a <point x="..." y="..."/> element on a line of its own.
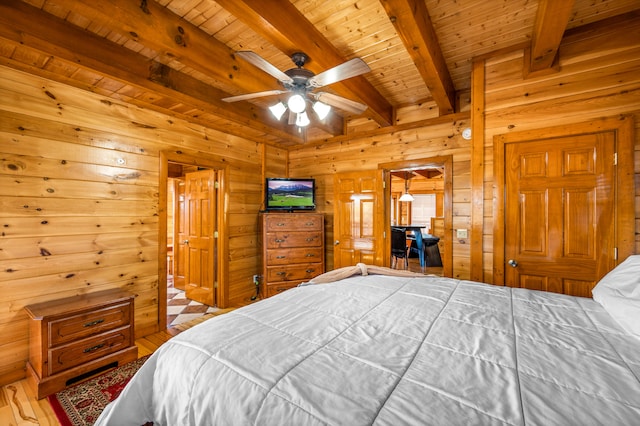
<point x="393" y="351"/>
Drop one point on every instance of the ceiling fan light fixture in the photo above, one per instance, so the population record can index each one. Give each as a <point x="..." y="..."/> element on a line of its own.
<point x="321" y="109"/>
<point x="302" y="120"/>
<point x="296" y="103"/>
<point x="278" y="110"/>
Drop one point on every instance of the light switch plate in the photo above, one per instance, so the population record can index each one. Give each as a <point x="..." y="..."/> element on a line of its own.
<point x="461" y="233"/>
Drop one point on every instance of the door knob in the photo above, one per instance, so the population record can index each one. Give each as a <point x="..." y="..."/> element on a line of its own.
<point x="186" y="242"/>
<point x="336" y="243"/>
<point x="513" y="263"/>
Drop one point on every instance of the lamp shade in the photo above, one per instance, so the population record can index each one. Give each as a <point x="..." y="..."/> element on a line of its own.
<point x="321" y="109"/>
<point x="302" y="120"/>
<point x="406" y="197"/>
<point x="277" y="110"/>
<point x="296" y="103"/>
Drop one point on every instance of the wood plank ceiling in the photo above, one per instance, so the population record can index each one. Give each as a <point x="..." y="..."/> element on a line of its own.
<point x="178" y="56"/>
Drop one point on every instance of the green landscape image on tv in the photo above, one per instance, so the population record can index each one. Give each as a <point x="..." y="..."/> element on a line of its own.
<point x="290" y="194"/>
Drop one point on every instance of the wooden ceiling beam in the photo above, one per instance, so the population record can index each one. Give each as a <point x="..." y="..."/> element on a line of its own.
<point x="552" y="17"/>
<point x="157" y="28"/>
<point x="33" y="28"/>
<point x="288" y="29"/>
<point x="413" y="24"/>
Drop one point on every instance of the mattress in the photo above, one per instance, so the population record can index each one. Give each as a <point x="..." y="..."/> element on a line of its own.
<point x="393" y="350"/>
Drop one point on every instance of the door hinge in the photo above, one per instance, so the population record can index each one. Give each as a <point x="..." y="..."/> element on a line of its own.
<point x="216" y="185"/>
<point x="384" y="184"/>
<point x="215" y="284"/>
<point x="615" y="253"/>
<point x="615" y="158"/>
<point x="215" y="234"/>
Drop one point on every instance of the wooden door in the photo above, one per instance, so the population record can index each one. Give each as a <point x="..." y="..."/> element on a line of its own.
<point x="180" y="235"/>
<point x="200" y="210"/>
<point x="359" y="218"/>
<point x="559" y="212"/>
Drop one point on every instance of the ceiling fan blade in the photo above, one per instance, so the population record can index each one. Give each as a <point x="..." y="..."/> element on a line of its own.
<point x="292" y="117"/>
<point x="253" y="95"/>
<point x="352" y="68"/>
<point x="258" y="61"/>
<point x="340" y="102"/>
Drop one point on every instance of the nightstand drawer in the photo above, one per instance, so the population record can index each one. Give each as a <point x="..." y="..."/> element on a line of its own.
<point x="80" y="352"/>
<point x="75" y="336"/>
<point x="87" y="324"/>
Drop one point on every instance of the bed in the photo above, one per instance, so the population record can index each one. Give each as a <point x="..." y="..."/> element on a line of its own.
<point x="379" y="349"/>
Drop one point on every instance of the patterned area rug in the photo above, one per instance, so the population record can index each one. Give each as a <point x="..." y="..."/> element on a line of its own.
<point x="81" y="404"/>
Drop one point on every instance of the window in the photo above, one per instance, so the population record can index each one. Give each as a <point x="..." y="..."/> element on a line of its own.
<point x="423" y="208"/>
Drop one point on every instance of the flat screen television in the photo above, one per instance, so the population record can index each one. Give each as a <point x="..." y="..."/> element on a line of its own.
<point x="290" y="194"/>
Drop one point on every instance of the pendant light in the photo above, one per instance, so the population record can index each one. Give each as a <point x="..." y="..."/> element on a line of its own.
<point x="406" y="197"/>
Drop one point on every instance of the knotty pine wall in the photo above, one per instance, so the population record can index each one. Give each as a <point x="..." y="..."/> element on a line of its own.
<point x="79" y="179"/>
<point x="366" y="150"/>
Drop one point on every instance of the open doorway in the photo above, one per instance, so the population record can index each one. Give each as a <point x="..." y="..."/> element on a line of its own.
<point x="192" y="229"/>
<point x="420" y="201"/>
<point x="192" y="259"/>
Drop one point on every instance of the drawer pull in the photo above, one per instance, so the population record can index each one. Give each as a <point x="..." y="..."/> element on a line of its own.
<point x="93" y="348"/>
<point x="92" y="323"/>
<point x="310" y="223"/>
<point x="279" y="289"/>
<point x="281" y="257"/>
<point x="310" y="255"/>
<point x="310" y="239"/>
<point x="280" y="224"/>
<point x="279" y="240"/>
<point x="308" y="271"/>
<point x="281" y="273"/>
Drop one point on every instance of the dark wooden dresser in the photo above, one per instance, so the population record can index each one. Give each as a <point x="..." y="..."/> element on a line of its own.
<point x="76" y="336"/>
<point x="292" y="250"/>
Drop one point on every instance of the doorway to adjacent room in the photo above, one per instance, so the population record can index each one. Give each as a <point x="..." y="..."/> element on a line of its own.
<point x="192" y="227"/>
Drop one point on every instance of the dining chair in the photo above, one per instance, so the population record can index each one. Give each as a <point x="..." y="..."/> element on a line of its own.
<point x="399" y="249"/>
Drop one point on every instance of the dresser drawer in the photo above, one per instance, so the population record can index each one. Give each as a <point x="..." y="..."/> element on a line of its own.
<point x="293" y="239"/>
<point x="277" y="288"/>
<point x="299" y="273"/>
<point x="292" y="250"/>
<point x="66" y="356"/>
<point x="295" y="255"/>
<point x="294" y="222"/>
<point x="80" y="326"/>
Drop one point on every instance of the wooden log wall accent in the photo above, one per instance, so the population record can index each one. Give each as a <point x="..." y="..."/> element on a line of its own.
<point x="599" y="77"/>
<point x="79" y="200"/>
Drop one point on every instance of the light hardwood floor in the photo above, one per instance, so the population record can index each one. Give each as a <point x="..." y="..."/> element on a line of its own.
<point x="19" y="407"/>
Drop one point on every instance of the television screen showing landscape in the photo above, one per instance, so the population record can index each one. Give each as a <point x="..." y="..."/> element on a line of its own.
<point x="290" y="194"/>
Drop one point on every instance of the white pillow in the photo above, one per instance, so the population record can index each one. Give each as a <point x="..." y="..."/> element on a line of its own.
<point x="619" y="294"/>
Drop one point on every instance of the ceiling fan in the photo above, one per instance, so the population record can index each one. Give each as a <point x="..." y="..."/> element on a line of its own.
<point x="302" y="83"/>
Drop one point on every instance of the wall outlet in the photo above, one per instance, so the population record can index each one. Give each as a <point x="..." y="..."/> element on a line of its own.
<point x="461" y="233"/>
